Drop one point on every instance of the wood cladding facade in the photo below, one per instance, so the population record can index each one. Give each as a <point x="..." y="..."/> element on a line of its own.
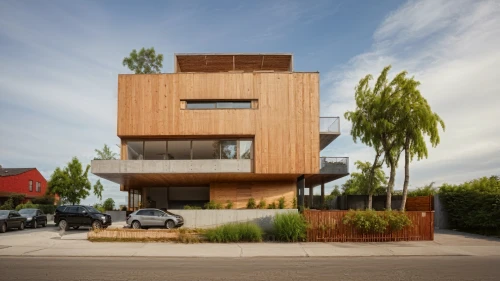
<point x="239" y="193"/>
<point x="285" y="126"/>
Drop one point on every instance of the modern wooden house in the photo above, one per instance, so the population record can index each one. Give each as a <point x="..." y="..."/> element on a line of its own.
<point x="221" y="127"/>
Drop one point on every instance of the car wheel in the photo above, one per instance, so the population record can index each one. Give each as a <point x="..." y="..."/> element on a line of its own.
<point x="96" y="225"/>
<point x="44" y="224"/>
<point x="63" y="225"/>
<point x="136" y="225"/>
<point x="3" y="228"/>
<point x="76" y="227"/>
<point x="35" y="225"/>
<point x="169" y="224"/>
<point x="21" y="227"/>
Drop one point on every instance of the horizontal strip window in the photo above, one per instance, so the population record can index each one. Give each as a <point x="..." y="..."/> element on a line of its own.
<point x="190" y="149"/>
<point x="219" y="104"/>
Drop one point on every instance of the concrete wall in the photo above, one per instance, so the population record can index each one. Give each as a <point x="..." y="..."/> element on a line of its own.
<point x="117" y="215"/>
<point x="212" y="218"/>
<point x="171" y="166"/>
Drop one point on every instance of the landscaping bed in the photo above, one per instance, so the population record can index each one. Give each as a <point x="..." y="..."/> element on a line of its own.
<point x="182" y="235"/>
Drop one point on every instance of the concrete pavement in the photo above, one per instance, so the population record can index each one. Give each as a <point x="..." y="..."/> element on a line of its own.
<point x="51" y="242"/>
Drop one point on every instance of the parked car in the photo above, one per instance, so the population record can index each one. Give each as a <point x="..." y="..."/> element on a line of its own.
<point x="11" y="219"/>
<point x="78" y="215"/>
<point x="34" y="217"/>
<point x="145" y="218"/>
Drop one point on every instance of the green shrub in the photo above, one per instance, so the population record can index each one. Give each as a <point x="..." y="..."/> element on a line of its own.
<point x="235" y="232"/>
<point x="17" y="198"/>
<point x="251" y="204"/>
<point x="294" y="202"/>
<point x="368" y="221"/>
<point x="262" y="204"/>
<point x="397" y="220"/>
<point x="27" y="205"/>
<point x="188" y="207"/>
<point x="290" y="227"/>
<point x="44" y="200"/>
<point x="281" y="203"/>
<point x="212" y="205"/>
<point x="473" y="206"/>
<point x="229" y="204"/>
<point x="99" y="207"/>
<point x="47" y="209"/>
<point x="7" y="205"/>
<point x="123" y="208"/>
<point x="272" y="205"/>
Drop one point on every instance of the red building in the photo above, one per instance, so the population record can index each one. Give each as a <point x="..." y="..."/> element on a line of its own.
<point x="27" y="181"/>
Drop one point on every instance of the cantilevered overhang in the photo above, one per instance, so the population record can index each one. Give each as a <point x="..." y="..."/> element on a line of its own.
<point x="331" y="168"/>
<point x="151" y="173"/>
<point x="329" y="130"/>
<point x="225" y="62"/>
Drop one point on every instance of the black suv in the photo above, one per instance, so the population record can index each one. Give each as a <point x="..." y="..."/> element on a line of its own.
<point x="77" y="215"/>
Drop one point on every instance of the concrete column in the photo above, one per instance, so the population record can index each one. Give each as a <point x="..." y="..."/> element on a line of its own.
<point x="310" y="196"/>
<point x="322" y="193"/>
<point x="301" y="184"/>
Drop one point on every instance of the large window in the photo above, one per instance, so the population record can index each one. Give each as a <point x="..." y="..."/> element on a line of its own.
<point x="135" y="150"/>
<point x="179" y="150"/>
<point x="236" y="104"/>
<point x="190" y="149"/>
<point x="155" y="150"/>
<point x="206" y="149"/>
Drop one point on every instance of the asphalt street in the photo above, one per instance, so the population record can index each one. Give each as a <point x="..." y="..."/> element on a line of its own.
<point x="454" y="268"/>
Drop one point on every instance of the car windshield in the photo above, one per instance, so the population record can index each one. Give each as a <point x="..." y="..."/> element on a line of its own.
<point x="168" y="213"/>
<point x="4" y="213"/>
<point x="92" y="210"/>
<point x="27" y="211"/>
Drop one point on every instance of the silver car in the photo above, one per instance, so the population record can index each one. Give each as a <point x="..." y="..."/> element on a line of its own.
<point x="145" y="218"/>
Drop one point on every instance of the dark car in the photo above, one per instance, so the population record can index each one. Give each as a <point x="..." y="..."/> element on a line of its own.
<point x="11" y="219"/>
<point x="77" y="215"/>
<point x="34" y="217"/>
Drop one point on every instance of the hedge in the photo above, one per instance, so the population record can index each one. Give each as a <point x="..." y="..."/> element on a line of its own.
<point x="46" y="209"/>
<point x="473" y="205"/>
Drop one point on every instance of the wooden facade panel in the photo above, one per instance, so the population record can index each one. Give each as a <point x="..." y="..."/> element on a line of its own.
<point x="240" y="193"/>
<point x="285" y="125"/>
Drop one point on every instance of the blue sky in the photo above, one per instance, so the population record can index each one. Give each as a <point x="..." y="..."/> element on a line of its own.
<point x="59" y="62"/>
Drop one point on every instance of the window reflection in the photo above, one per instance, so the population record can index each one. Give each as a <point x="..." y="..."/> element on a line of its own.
<point x="228" y="149"/>
<point x="246" y="149"/>
<point x="179" y="150"/>
<point x="135" y="150"/>
<point x="206" y="149"/>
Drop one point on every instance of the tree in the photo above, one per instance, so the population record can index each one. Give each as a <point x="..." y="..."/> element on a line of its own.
<point x="144" y="62"/>
<point x="109" y="204"/>
<point x="369" y="180"/>
<point x="105" y="154"/>
<point x="415" y="120"/>
<point x="70" y="183"/>
<point x="426" y="190"/>
<point x="336" y="191"/>
<point x="373" y="122"/>
<point x="98" y="188"/>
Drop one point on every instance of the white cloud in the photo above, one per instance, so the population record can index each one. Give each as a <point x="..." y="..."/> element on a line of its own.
<point x="453" y="49"/>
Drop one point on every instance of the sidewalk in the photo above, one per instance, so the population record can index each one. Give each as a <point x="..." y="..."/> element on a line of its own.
<point x="48" y="242"/>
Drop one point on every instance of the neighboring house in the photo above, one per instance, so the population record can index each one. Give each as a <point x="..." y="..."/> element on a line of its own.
<point x="221" y="127"/>
<point x="27" y="181"/>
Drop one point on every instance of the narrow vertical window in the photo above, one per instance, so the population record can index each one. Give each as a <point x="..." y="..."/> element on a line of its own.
<point x="31" y="186"/>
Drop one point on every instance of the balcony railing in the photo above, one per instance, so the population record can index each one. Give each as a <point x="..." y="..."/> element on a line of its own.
<point x="329" y="125"/>
<point x="334" y="165"/>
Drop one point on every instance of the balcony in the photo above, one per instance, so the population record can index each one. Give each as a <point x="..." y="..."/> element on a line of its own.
<point x="334" y="165"/>
<point x="329" y="130"/>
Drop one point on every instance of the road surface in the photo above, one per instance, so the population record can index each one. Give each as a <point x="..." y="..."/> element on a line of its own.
<point x="454" y="268"/>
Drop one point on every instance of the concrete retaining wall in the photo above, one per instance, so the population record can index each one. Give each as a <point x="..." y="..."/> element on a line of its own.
<point x="117" y="215"/>
<point x="213" y="218"/>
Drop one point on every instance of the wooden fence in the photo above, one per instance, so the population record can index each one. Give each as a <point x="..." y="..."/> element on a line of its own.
<point x="327" y="226"/>
<point x="420" y="203"/>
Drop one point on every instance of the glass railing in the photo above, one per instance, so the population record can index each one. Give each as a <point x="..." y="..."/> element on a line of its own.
<point x="329" y="124"/>
<point x="334" y="165"/>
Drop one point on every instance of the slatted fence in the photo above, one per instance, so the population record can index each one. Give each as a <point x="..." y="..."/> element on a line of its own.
<point x="327" y="226"/>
